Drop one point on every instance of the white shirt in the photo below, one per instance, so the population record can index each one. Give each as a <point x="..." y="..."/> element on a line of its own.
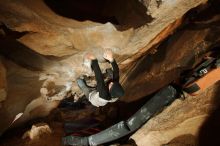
<point x="97" y="101"/>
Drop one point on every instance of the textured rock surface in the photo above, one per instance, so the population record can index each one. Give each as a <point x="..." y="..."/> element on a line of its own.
<point x="37" y="131"/>
<point x="154" y="70"/>
<point x="50" y="34"/>
<point x="40" y="47"/>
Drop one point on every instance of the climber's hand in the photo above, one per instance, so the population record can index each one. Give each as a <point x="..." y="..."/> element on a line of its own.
<point x="90" y="56"/>
<point x="108" y="55"/>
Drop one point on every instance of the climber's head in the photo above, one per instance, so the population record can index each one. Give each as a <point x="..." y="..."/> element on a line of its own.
<point x="116" y="90"/>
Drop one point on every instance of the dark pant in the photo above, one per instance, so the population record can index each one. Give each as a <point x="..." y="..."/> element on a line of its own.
<point x="101" y="87"/>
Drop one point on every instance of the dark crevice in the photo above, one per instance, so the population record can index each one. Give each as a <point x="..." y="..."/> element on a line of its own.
<point x="125" y="13"/>
<point x="81" y="10"/>
<point x="6" y="33"/>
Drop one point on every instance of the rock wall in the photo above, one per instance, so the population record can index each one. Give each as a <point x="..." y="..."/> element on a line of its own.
<point x="39" y="47"/>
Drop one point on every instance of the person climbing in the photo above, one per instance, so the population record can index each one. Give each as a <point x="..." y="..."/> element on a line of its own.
<point x="103" y="93"/>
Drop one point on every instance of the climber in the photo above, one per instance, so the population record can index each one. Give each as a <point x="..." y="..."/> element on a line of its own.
<point x="103" y="93"/>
